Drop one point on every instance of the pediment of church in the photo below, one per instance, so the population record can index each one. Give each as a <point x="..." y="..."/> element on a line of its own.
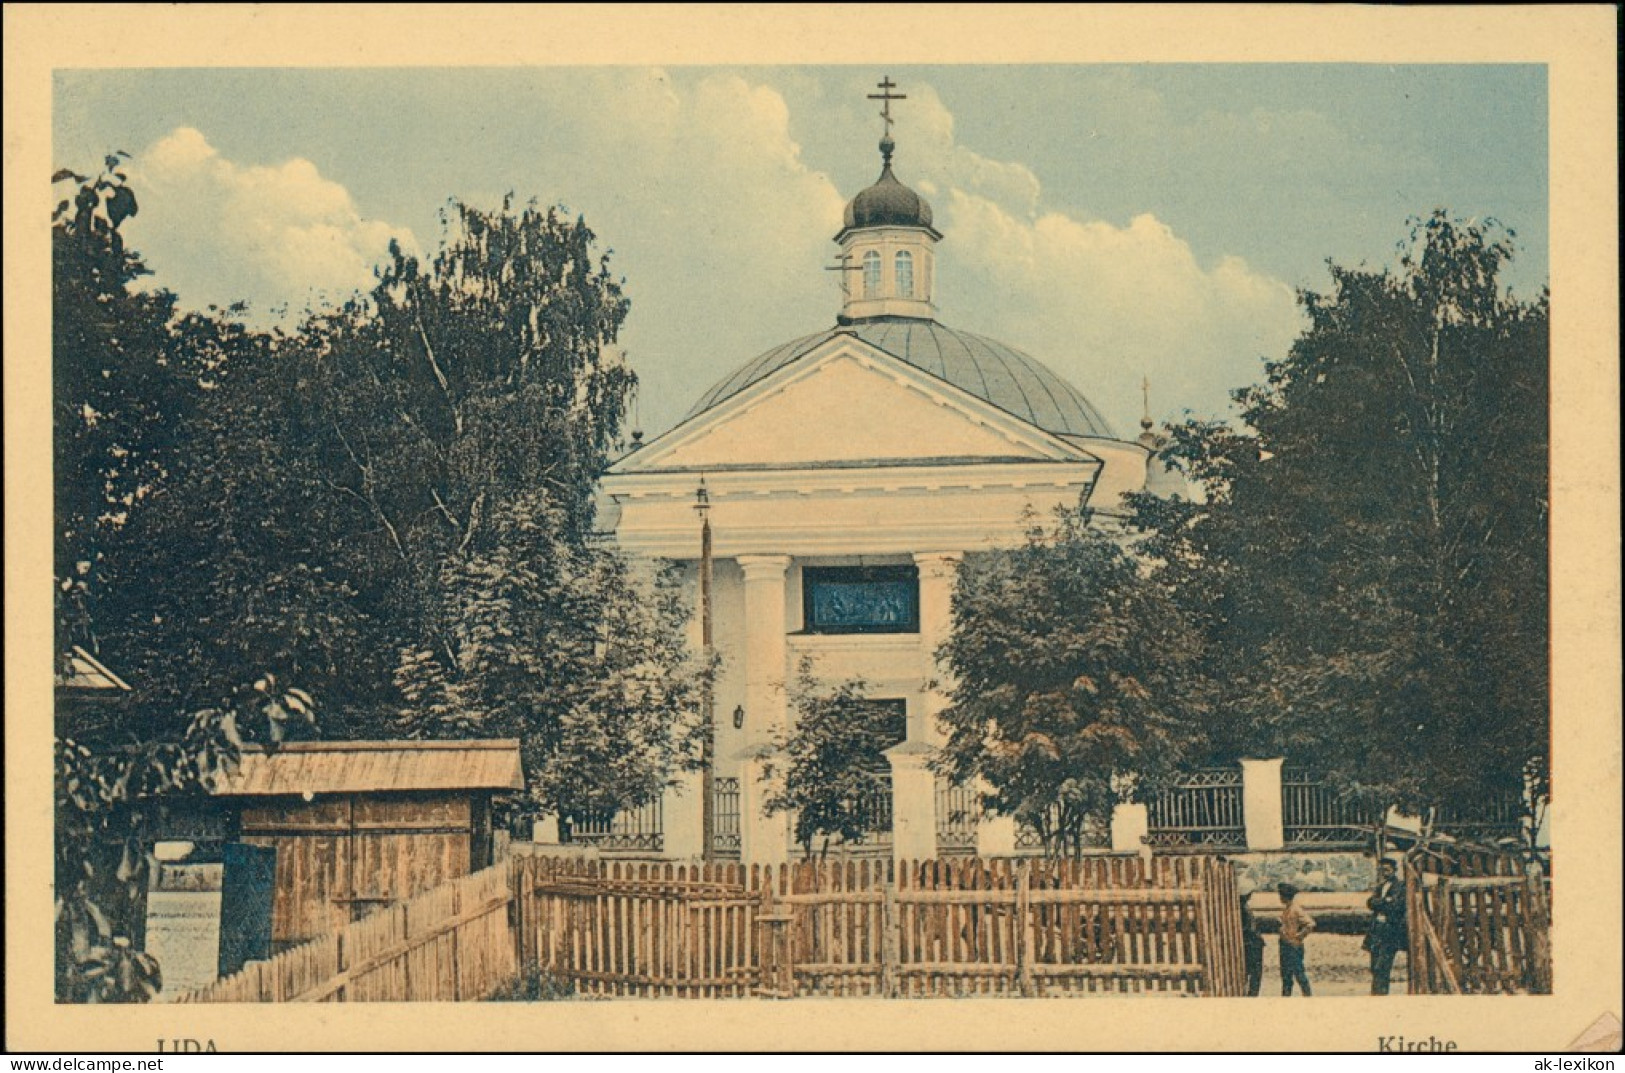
<point x="844" y="404"/>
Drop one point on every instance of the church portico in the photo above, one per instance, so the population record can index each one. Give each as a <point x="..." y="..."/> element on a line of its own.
<point x="846" y="474"/>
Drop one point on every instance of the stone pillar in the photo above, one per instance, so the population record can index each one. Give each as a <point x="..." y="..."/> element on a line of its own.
<point x="937" y="572"/>
<point x="913" y="802"/>
<point x="545" y="831"/>
<point x="1261" y="803"/>
<point x="766" y="651"/>
<point x="1130" y="825"/>
<point x="763" y="839"/>
<point x="996" y="836"/>
<point x="682" y="819"/>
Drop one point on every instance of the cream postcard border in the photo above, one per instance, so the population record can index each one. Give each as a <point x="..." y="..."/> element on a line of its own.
<point x="1575" y="42"/>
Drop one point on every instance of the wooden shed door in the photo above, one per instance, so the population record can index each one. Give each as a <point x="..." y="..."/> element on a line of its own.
<point x="340" y="859"/>
<point x="398" y="847"/>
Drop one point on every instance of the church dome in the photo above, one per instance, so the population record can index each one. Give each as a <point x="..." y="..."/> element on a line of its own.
<point x="990" y="370"/>
<point x="888" y="203"/>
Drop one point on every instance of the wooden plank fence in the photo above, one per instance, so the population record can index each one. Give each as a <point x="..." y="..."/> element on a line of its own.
<point x="1480" y="924"/>
<point x="619" y="928"/>
<point x="448" y="944"/>
<point x="947" y="927"/>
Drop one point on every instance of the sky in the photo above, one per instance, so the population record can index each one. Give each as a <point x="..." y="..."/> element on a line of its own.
<point x="1117" y="222"/>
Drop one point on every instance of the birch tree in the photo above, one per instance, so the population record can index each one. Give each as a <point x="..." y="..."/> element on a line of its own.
<point x="1370" y="558"/>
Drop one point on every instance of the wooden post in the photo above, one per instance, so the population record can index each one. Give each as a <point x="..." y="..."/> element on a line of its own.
<point x="343" y="963"/>
<point x="456" y="965"/>
<point x="1537" y="920"/>
<point x="1024" y="952"/>
<point x="516" y="912"/>
<point x="889" y="944"/>
<point x="406" y="961"/>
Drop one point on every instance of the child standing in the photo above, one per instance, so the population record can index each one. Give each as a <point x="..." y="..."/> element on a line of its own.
<point x="1295" y="928"/>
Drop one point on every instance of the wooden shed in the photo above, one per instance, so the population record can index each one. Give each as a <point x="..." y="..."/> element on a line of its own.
<point x="358" y="825"/>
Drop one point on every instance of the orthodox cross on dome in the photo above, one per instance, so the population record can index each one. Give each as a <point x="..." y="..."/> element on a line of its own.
<point x="886" y="96"/>
<point x="1145" y="392"/>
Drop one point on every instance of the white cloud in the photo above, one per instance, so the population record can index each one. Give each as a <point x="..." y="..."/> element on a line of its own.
<point x="1105" y="305"/>
<point x="216" y="231"/>
<point x="722" y="228"/>
<point x="718" y="222"/>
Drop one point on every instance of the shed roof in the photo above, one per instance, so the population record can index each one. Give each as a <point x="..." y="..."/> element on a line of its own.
<point x="81" y="670"/>
<point x="343" y="767"/>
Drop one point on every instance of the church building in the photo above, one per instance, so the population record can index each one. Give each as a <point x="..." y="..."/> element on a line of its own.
<point x="842" y="476"/>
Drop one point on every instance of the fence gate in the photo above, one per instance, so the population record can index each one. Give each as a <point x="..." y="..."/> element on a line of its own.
<point x="1479" y="925"/>
<point x="645" y="930"/>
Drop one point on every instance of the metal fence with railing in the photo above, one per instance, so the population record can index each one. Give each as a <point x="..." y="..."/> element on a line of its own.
<point x="725" y="835"/>
<point x="1202" y="811"/>
<point x="872" y="809"/>
<point x="635" y="830"/>
<point x="1316" y="816"/>
<point x="1095" y="835"/>
<point x="1495" y="817"/>
<point x="959" y="807"/>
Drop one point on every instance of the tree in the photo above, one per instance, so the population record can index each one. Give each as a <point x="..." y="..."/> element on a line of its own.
<point x="835" y="766"/>
<point x="129" y="381"/>
<point x="573" y="649"/>
<point x="1077" y="680"/>
<point x="457" y="388"/>
<point x="458" y="422"/>
<point x="236" y="559"/>
<point x="1369" y="559"/>
<point x="115" y="390"/>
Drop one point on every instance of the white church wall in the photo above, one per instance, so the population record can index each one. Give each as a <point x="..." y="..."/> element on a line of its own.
<point x="1125" y="470"/>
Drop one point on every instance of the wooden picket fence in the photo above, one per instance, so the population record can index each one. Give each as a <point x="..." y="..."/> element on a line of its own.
<point x="1480" y="924"/>
<point x="448" y="944"/>
<point x="947" y="927"/>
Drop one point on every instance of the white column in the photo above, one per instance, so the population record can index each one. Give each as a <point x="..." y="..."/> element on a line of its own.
<point x="763" y="839"/>
<point x="913" y="802"/>
<point x="1130" y="824"/>
<point x="766" y="651"/>
<point x="938" y="569"/>
<point x="682" y="819"/>
<point x="1261" y="803"/>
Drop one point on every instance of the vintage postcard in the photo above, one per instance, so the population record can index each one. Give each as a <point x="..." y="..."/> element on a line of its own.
<point x="731" y="529"/>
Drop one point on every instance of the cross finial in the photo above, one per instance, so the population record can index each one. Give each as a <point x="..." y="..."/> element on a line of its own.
<point x="886" y="96"/>
<point x="1145" y="391"/>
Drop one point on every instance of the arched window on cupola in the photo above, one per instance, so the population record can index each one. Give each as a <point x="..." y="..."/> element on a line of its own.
<point x="871" y="275"/>
<point x="905" y="274"/>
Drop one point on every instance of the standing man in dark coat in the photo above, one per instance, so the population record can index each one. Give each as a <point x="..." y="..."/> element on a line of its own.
<point x="1252" y="946"/>
<point x="1389" y="933"/>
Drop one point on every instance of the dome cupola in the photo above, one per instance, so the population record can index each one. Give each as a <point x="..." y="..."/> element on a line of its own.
<point x="888" y="203"/>
<point x="888" y="246"/>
